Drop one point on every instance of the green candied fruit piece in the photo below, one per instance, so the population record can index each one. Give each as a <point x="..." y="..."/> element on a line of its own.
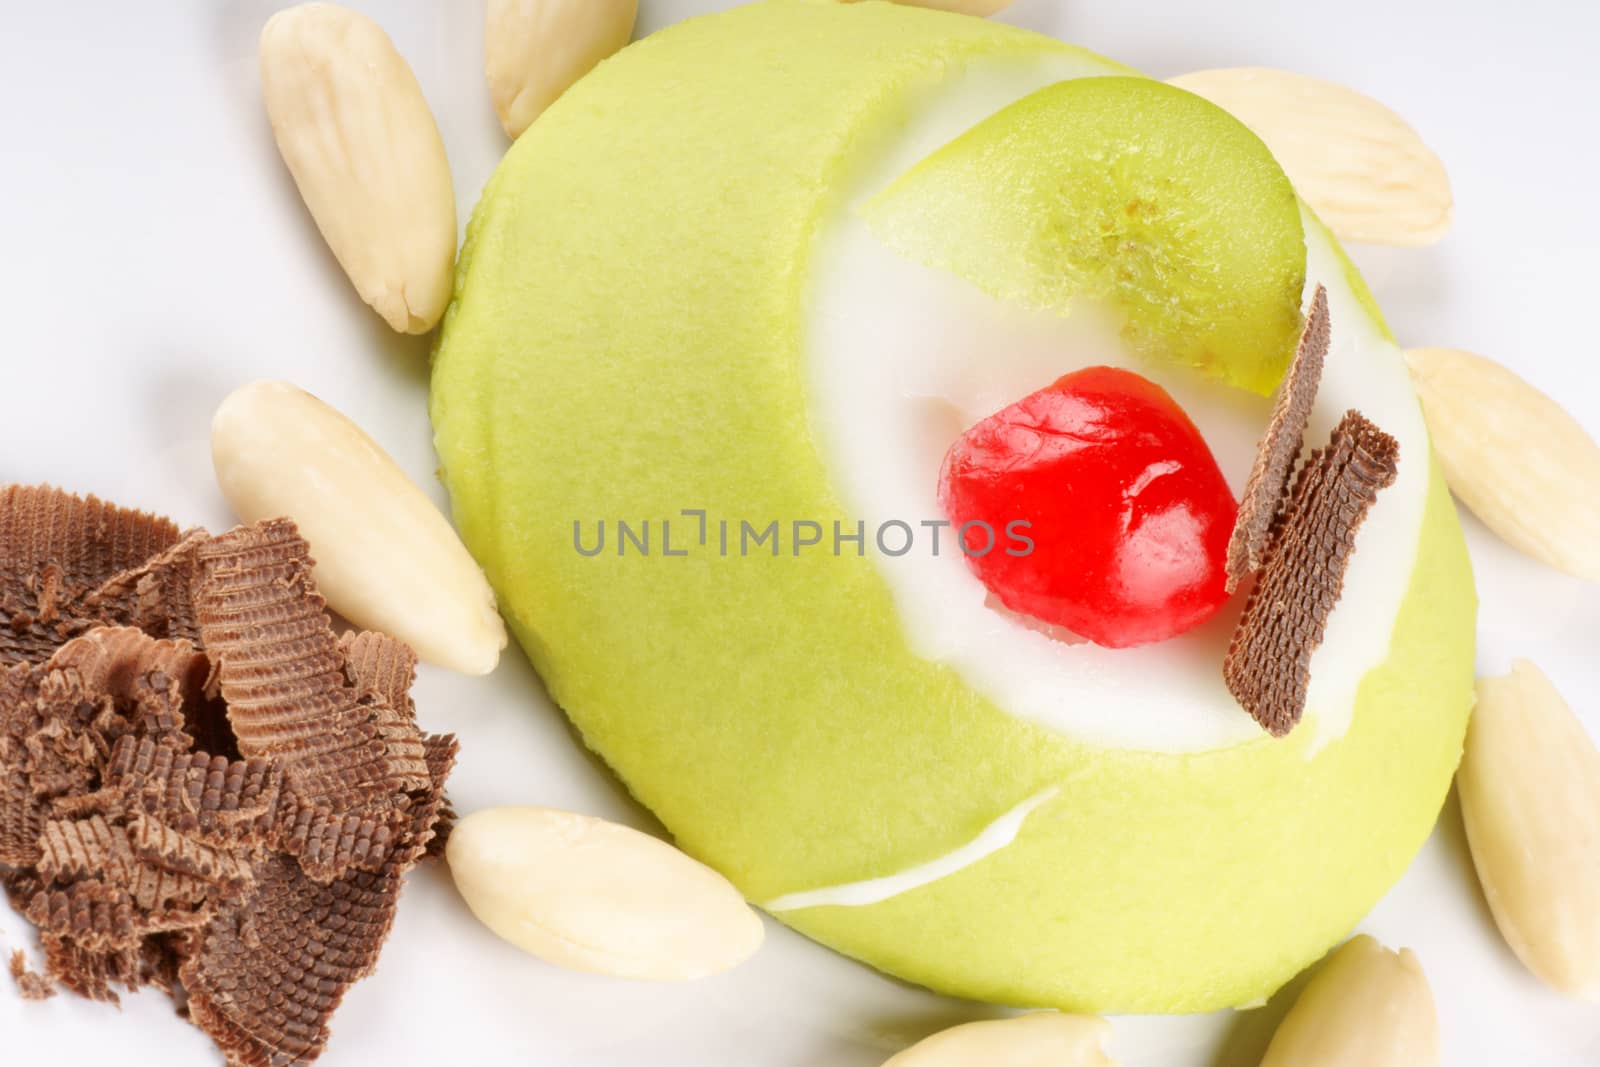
<point x="1127" y="192"/>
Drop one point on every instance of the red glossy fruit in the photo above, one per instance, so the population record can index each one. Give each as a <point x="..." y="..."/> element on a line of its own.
<point x="1128" y="514"/>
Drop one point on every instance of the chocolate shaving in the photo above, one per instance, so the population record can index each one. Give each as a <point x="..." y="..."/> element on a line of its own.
<point x="89" y="972"/>
<point x="31" y="986"/>
<point x="282" y="675"/>
<point x="1268" y="667"/>
<point x="55" y="549"/>
<point x="325" y="938"/>
<point x="328" y="844"/>
<point x="1267" y="488"/>
<point x="203" y="790"/>
<point x="440" y="751"/>
<point x="221" y="802"/>
<point x="386" y="668"/>
<point x="22" y="818"/>
<point x="157" y="596"/>
<point x="22" y="813"/>
<point x="70" y="849"/>
<point x="160" y="683"/>
<point x="95" y="914"/>
<point x="207" y="872"/>
<point x="382" y="666"/>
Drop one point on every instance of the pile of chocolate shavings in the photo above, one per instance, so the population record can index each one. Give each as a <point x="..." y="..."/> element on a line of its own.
<point x="201" y="787"/>
<point x="1296" y="532"/>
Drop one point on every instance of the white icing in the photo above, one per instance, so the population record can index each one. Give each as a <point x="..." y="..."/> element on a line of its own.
<point x="1368" y="372"/>
<point x="904" y="357"/>
<point x="996" y="836"/>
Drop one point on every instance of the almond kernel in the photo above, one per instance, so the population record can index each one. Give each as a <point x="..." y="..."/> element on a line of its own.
<point x="534" y="50"/>
<point x="1365" y="1007"/>
<point x="590" y="895"/>
<point x="357" y="135"/>
<point x="1530" y="796"/>
<point x="1514" y="456"/>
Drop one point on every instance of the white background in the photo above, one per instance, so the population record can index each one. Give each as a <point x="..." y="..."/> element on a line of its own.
<point x="153" y="255"/>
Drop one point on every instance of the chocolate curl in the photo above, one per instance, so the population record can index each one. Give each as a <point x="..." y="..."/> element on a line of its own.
<point x="1267" y="489"/>
<point x="1268" y="666"/>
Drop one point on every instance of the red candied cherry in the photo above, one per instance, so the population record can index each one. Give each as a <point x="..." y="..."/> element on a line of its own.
<point x="1128" y="514"/>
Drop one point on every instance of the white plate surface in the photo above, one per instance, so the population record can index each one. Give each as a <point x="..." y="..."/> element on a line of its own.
<point x="156" y="255"/>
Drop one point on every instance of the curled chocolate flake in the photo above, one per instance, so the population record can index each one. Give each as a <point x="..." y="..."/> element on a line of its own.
<point x="229" y="803"/>
<point x="1268" y="484"/>
<point x="73" y="849"/>
<point x="92" y="913"/>
<point x="385" y="668"/>
<point x="22" y="813"/>
<point x="282" y="675"/>
<point x="382" y="666"/>
<point x="1268" y="667"/>
<point x="435" y="808"/>
<point x="22" y="817"/>
<point x="328" y="844"/>
<point x="55" y="549"/>
<point x="98" y="849"/>
<point x="157" y="596"/>
<point x="90" y="972"/>
<point x="324" y="938"/>
<point x="159" y="685"/>
<point x="207" y="871"/>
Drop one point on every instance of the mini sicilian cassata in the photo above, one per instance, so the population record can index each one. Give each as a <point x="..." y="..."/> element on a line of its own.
<point x="767" y="265"/>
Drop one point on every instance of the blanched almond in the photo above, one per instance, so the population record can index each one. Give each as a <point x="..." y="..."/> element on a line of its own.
<point x="1040" y="1039"/>
<point x="1514" y="456"/>
<point x="1530" y="794"/>
<point x="351" y="124"/>
<point x="1361" y="168"/>
<point x="1366" y="1007"/>
<point x="980" y="8"/>
<point x="534" y="50"/>
<point x="386" y="558"/>
<point x="591" y="895"/>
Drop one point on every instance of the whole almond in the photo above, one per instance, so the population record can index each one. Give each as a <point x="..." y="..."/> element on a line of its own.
<point x="386" y="558"/>
<point x="594" y="896"/>
<point x="357" y="135"/>
<point x="534" y="50"/>
<point x="1530" y="795"/>
<point x="1361" y="168"/>
<point x="1514" y="456"/>
<point x="981" y="8"/>
<point x="1366" y="1007"/>
<point x="1040" y="1039"/>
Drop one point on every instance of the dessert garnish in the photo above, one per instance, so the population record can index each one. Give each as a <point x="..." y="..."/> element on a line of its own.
<point x="1126" y="509"/>
<point x="1268" y="666"/>
<point x="1266" y="488"/>
<point x="204" y="789"/>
